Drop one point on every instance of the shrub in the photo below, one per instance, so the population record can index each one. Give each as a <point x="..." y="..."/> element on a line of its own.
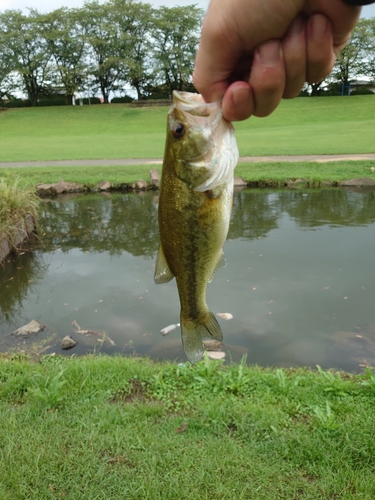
<point x="330" y="93"/>
<point x="93" y="100"/>
<point x="55" y="100"/>
<point x="125" y="98"/>
<point x="17" y="103"/>
<point x="362" y="91"/>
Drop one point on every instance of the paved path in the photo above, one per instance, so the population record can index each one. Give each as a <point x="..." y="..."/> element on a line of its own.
<point x="155" y="161"/>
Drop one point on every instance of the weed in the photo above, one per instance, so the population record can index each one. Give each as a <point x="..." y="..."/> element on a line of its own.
<point x="16" y="203"/>
<point x="334" y="383"/>
<point x="326" y="417"/>
<point x="49" y="391"/>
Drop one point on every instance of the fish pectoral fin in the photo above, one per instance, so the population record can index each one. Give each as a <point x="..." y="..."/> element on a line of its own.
<point x="163" y="274"/>
<point x="193" y="335"/>
<point x="222" y="262"/>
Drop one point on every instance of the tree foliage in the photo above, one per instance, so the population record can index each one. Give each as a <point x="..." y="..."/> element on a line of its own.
<point x="101" y="47"/>
<point x="24" y="43"/>
<point x="109" y="47"/>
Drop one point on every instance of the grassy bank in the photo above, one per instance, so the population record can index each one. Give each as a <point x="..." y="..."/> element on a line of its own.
<point x="16" y="202"/>
<point x="271" y="174"/>
<point x="100" y="427"/>
<point x="328" y="125"/>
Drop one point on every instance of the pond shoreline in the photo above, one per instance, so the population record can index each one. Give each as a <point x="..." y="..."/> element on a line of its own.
<point x="62" y="187"/>
<point x="21" y="233"/>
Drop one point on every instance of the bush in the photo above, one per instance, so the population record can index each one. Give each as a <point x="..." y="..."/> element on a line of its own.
<point x="93" y="100"/>
<point x="55" y="100"/>
<point x="17" y="103"/>
<point x="158" y="95"/>
<point x="330" y="93"/>
<point x="125" y="98"/>
<point x="362" y="91"/>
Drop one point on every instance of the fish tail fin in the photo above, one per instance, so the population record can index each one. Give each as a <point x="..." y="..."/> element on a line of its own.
<point x="193" y="333"/>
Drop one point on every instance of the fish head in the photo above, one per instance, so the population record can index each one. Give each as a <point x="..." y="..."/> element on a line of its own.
<point x="200" y="142"/>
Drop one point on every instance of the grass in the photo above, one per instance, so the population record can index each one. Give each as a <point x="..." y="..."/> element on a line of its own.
<point x="16" y="202"/>
<point x="263" y="174"/>
<point x="88" y="176"/>
<point x="314" y="174"/>
<point x="329" y="125"/>
<point x="123" y="428"/>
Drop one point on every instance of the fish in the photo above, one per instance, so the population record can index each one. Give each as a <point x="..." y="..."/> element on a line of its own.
<point x="196" y="197"/>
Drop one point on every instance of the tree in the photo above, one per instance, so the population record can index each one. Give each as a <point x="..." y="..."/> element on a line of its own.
<point x="351" y="61"/>
<point x="22" y="40"/>
<point x="102" y="38"/>
<point x="6" y="64"/>
<point x="369" y="60"/>
<point x="175" y="39"/>
<point x="134" y="21"/>
<point x="66" y="45"/>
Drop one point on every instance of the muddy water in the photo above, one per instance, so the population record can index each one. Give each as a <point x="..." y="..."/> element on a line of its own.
<point x="299" y="280"/>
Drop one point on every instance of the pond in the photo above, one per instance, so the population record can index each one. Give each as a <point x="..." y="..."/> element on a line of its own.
<point x="299" y="279"/>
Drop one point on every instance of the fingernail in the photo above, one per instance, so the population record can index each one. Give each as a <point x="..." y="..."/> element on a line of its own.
<point x="319" y="26"/>
<point x="297" y="26"/>
<point x="240" y="97"/>
<point x="269" y="53"/>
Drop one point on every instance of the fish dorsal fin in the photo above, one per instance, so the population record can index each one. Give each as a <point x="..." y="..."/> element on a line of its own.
<point x="222" y="262"/>
<point x="163" y="274"/>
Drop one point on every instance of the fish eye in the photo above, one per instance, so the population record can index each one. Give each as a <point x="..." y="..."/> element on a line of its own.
<point x="178" y="131"/>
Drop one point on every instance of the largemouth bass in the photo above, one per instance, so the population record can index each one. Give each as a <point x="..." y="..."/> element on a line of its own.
<point x="194" y="210"/>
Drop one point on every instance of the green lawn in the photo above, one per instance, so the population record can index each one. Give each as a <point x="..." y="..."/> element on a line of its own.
<point x="122" y="428"/>
<point x="329" y="125"/>
<point x="265" y="173"/>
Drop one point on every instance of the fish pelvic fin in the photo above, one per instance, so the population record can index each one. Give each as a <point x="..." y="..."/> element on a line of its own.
<point x="193" y="333"/>
<point x="163" y="274"/>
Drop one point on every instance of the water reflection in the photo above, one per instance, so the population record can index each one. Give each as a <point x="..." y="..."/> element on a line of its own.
<point x="299" y="280"/>
<point x="18" y="276"/>
<point x="98" y="223"/>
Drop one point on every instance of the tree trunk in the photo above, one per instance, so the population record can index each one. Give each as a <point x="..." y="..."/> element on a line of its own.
<point x="315" y="89"/>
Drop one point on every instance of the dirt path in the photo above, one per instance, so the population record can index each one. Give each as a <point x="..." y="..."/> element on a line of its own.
<point x="156" y="161"/>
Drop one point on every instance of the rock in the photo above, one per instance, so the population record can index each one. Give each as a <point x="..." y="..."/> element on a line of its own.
<point x="212" y="345"/>
<point x="359" y="182"/>
<point x="216" y="354"/>
<point x="31" y="328"/>
<point x="154" y="178"/>
<point x="226" y="316"/>
<point x="140" y="185"/>
<point x="58" y="188"/>
<point x="239" y="182"/>
<point x="68" y="343"/>
<point x="104" y="186"/>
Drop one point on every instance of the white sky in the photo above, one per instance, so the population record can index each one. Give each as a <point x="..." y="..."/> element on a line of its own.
<point x="50" y="5"/>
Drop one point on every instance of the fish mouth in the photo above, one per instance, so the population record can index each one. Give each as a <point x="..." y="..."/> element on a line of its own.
<point x="194" y="104"/>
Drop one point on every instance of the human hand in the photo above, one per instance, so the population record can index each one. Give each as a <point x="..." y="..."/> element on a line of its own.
<point x="253" y="53"/>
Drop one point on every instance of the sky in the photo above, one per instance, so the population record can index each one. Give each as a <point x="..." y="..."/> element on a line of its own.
<point x="50" y="5"/>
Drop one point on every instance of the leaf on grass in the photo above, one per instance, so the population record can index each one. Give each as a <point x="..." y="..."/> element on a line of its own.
<point x="182" y="428"/>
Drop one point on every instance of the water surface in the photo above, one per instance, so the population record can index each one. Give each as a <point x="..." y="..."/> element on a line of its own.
<point x="299" y="280"/>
